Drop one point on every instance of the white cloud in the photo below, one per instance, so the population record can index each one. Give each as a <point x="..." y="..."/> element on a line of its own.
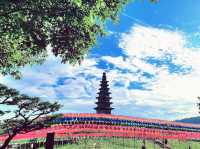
<point x="170" y="95"/>
<point x="144" y="41"/>
<point x="168" y="89"/>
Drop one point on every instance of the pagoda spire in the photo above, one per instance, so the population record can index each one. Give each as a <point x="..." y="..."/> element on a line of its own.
<point x="103" y="99"/>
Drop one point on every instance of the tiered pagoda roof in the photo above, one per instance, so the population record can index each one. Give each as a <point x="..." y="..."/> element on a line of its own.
<point x="103" y="99"/>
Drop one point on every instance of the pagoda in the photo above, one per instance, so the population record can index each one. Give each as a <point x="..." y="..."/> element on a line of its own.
<point x="103" y="103"/>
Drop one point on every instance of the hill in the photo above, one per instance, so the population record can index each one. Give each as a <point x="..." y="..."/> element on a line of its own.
<point x="192" y="120"/>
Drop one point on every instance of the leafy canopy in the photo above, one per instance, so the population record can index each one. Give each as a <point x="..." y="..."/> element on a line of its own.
<point x="69" y="26"/>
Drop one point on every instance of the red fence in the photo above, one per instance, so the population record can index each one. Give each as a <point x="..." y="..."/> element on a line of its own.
<point x="103" y="130"/>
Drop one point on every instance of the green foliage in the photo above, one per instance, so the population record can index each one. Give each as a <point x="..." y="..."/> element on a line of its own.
<point x="154" y="1"/>
<point x="25" y="113"/>
<point x="69" y="26"/>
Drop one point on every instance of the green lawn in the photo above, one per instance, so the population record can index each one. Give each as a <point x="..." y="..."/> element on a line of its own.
<point x="175" y="144"/>
<point x="126" y="144"/>
<point x="108" y="144"/>
<point x="120" y="143"/>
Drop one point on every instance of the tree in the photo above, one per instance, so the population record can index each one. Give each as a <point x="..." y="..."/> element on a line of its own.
<point x="69" y="26"/>
<point x="26" y="113"/>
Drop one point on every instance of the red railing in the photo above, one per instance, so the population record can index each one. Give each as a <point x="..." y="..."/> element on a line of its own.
<point x="85" y="115"/>
<point x="92" y="130"/>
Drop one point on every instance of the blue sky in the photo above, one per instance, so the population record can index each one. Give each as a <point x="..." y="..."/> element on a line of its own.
<point x="152" y="60"/>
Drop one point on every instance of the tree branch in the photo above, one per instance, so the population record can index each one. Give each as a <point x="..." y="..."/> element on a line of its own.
<point x="50" y="11"/>
<point x="4" y="101"/>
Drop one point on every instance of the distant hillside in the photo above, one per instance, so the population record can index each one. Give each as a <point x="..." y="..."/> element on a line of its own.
<point x="193" y="120"/>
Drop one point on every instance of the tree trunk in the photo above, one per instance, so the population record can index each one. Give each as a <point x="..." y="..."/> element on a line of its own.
<point x="7" y="141"/>
<point x="50" y="140"/>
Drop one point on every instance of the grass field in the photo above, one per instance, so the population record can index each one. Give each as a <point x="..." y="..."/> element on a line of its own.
<point x="126" y="144"/>
<point x="174" y="144"/>
<point x="108" y="144"/>
<point x="120" y="143"/>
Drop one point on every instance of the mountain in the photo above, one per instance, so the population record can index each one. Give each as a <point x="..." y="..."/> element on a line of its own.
<point x="193" y="120"/>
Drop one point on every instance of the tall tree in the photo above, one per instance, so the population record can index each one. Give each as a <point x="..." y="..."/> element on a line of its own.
<point x="69" y="26"/>
<point x="25" y="113"/>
